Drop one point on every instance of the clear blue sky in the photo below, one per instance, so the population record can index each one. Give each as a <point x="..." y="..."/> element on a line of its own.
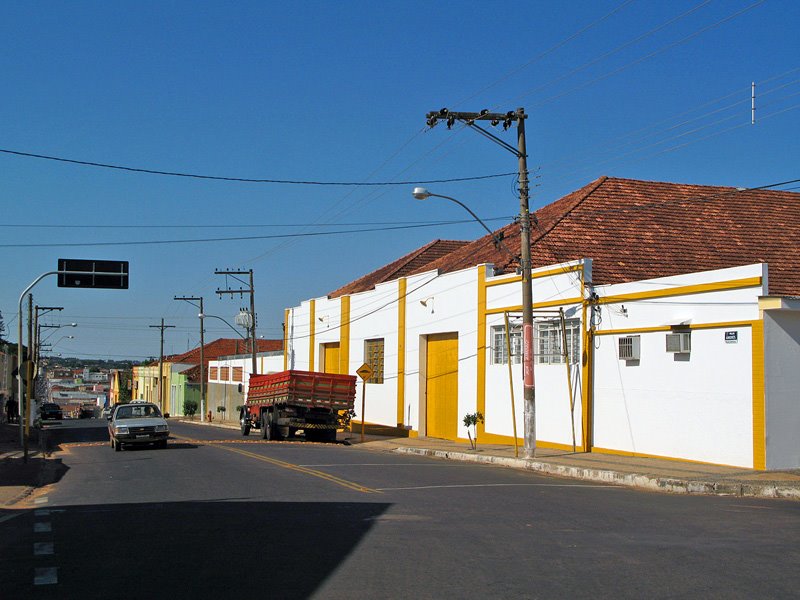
<point x="337" y="92"/>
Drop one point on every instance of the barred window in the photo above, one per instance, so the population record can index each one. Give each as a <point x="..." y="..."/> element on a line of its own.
<point x="237" y="373"/>
<point x="549" y="346"/>
<point x="499" y="351"/>
<point x="213" y="374"/>
<point x="224" y="373"/>
<point x="373" y="356"/>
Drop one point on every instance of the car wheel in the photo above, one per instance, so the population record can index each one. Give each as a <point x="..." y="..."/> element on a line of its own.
<point x="117" y="445"/>
<point x="162" y="444"/>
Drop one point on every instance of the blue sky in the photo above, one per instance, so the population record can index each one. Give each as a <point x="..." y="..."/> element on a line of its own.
<point x="337" y="92"/>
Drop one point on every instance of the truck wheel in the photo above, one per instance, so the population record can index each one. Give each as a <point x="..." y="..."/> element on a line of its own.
<point x="328" y="435"/>
<point x="245" y="424"/>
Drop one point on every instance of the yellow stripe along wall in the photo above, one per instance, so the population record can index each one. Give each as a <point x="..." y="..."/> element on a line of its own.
<point x="312" y="316"/>
<point x="401" y="350"/>
<point x="344" y="336"/>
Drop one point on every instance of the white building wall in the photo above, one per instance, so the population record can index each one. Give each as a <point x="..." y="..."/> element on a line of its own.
<point x="266" y="362"/>
<point x="697" y="406"/>
<point x="782" y="382"/>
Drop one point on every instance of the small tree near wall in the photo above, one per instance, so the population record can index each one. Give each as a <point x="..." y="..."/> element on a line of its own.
<point x="189" y="408"/>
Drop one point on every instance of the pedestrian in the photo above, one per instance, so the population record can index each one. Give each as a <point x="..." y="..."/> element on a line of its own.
<point x="11" y="410"/>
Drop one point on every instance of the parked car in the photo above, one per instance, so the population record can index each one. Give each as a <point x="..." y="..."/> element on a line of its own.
<point x="107" y="411"/>
<point x="50" y="411"/>
<point x="137" y="423"/>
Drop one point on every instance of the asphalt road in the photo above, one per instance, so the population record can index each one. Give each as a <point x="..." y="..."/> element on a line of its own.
<point x="215" y="516"/>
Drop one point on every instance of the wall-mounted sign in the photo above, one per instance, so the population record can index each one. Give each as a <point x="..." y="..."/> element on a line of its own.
<point x="731" y="337"/>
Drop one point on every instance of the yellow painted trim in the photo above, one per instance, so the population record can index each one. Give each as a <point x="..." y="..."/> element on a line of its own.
<point x="586" y="374"/>
<point x="548" y="304"/>
<point x="312" y="330"/>
<point x="285" y="339"/>
<point x="480" y="391"/>
<point x="401" y="350"/>
<point x="759" y="397"/>
<point x="685" y="290"/>
<point x="770" y="302"/>
<point x="344" y="336"/>
<point x="657" y="456"/>
<point x="718" y="325"/>
<point x="536" y="275"/>
<point x="508" y="440"/>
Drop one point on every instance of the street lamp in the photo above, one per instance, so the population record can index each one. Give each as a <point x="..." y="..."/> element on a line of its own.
<point x="244" y="337"/>
<point x="524" y="261"/>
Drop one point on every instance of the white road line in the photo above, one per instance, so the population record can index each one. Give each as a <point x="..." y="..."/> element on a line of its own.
<point x="474" y="485"/>
<point x="9" y="517"/>
<point x="42" y="548"/>
<point x="41" y="512"/>
<point x="383" y="465"/>
<point x="45" y="576"/>
<point x="42" y="500"/>
<point x="42" y="527"/>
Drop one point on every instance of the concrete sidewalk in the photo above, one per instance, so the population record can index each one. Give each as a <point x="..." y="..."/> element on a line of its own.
<point x="654" y="474"/>
<point x="18" y="478"/>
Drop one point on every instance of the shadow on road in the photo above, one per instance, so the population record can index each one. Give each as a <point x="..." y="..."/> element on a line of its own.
<point x="218" y="549"/>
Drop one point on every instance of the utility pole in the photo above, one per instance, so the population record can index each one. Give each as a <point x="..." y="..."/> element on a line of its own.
<point x="162" y="327"/>
<point x="469" y="119"/>
<point x="41" y="310"/>
<point x="241" y="292"/>
<point x="191" y="300"/>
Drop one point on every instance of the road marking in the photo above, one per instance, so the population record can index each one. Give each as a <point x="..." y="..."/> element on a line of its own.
<point x="42" y="548"/>
<point x="41" y="512"/>
<point x="45" y="576"/>
<point x="437" y="466"/>
<point x="475" y="485"/>
<point x="9" y="517"/>
<point x="292" y="467"/>
<point x="42" y="528"/>
<point x="42" y="500"/>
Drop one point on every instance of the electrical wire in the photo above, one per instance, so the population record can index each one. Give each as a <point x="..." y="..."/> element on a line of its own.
<point x="245" y="179"/>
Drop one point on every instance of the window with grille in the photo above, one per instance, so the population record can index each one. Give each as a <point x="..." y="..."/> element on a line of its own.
<point x="224" y="373"/>
<point x="549" y="342"/>
<point x="373" y="356"/>
<point x="213" y="373"/>
<point x="237" y="373"/>
<point x="499" y="348"/>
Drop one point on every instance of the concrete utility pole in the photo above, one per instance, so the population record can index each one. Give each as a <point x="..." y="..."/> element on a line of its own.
<point x="37" y="328"/>
<point x="241" y="292"/>
<point x="191" y="300"/>
<point x="469" y="119"/>
<point x="162" y="327"/>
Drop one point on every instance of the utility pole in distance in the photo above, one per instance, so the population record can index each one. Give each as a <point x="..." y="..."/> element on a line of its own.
<point x="191" y="300"/>
<point x="162" y="327"/>
<point x="241" y="292"/>
<point x="469" y="119"/>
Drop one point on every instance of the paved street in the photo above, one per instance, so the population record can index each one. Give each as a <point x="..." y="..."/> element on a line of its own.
<point x="218" y="516"/>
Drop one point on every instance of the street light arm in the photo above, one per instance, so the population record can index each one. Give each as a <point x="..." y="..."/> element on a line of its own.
<point x="422" y="194"/>
<point x="226" y="323"/>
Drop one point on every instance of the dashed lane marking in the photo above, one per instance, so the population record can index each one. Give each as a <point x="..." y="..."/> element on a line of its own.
<point x="45" y="576"/>
<point x="43" y="548"/>
<point x="41" y="500"/>
<point x="9" y="517"/>
<point x="42" y="527"/>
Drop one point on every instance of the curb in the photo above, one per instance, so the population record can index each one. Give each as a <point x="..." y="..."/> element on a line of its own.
<point x="648" y="482"/>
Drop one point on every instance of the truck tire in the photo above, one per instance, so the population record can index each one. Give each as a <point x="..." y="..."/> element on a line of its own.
<point x="328" y="435"/>
<point x="245" y="425"/>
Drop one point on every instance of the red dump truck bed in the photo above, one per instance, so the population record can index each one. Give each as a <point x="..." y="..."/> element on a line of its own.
<point x="303" y="388"/>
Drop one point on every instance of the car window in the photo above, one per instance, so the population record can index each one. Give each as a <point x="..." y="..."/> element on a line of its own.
<point x="137" y="412"/>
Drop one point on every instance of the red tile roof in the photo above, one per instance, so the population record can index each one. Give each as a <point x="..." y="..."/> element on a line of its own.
<point x="224" y="347"/>
<point x="412" y="262"/>
<point x="636" y="230"/>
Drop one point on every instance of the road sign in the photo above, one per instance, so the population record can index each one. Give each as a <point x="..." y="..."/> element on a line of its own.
<point x="108" y="274"/>
<point x="365" y="371"/>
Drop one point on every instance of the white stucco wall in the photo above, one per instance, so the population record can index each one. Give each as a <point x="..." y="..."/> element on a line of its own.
<point x="782" y="383"/>
<point x="697" y="406"/>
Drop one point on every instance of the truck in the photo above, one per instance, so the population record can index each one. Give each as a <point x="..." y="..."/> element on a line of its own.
<point x="281" y="404"/>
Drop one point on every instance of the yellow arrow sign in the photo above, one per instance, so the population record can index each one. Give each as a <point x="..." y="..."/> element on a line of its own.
<point x="364" y="371"/>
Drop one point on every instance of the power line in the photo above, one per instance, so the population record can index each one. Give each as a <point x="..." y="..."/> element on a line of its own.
<point x="220" y="239"/>
<point x="243" y="179"/>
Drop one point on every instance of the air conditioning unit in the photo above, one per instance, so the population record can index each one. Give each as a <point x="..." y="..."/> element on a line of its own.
<point x="679" y="343"/>
<point x="629" y="347"/>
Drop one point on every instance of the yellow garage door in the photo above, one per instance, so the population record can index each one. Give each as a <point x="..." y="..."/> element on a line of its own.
<point x="330" y="357"/>
<point x="442" y="386"/>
